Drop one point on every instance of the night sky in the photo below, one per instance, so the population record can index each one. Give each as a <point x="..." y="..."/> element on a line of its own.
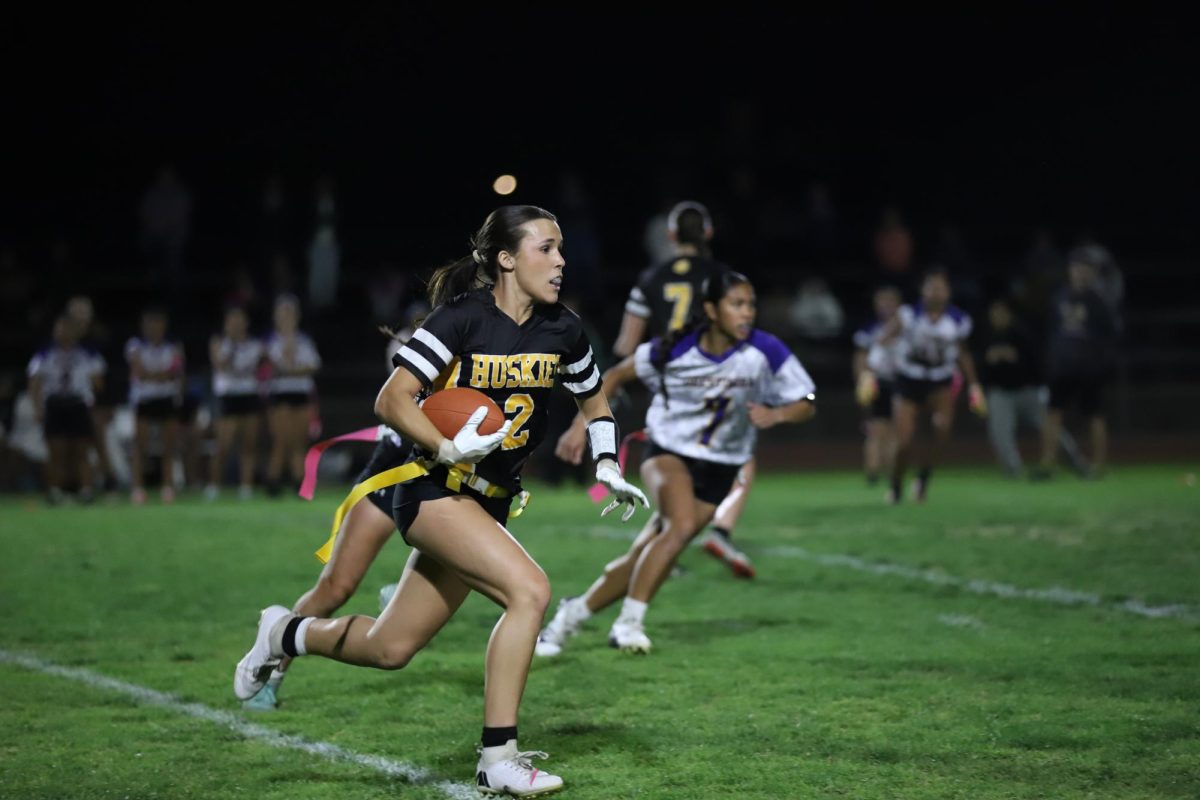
<point x="996" y="122"/>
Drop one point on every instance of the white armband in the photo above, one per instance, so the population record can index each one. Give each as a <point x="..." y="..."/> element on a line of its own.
<point x="602" y="438"/>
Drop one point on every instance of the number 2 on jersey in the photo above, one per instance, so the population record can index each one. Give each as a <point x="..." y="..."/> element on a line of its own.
<point x="717" y="405"/>
<point x="522" y="406"/>
<point x="679" y="295"/>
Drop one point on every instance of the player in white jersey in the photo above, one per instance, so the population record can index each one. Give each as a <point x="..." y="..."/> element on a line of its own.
<point x="156" y="394"/>
<point x="874" y="373"/>
<point x="714" y="386"/>
<point x="63" y="379"/>
<point x="236" y="358"/>
<point x="930" y="341"/>
<point x="294" y="359"/>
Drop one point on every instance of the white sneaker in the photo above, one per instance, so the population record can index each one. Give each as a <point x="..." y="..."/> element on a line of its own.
<point x="629" y="636"/>
<point x="514" y="775"/>
<point x="255" y="667"/>
<point x="571" y="613"/>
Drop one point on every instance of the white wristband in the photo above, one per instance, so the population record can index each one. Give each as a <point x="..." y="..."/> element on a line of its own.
<point x="602" y="438"/>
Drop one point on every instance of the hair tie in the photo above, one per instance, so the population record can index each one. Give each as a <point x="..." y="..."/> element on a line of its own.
<point x="479" y="259"/>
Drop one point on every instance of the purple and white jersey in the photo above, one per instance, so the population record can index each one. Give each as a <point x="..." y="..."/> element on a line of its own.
<point x="162" y="357"/>
<point x="67" y="373"/>
<point x="881" y="357"/>
<point x="304" y="356"/>
<point x="926" y="348"/>
<point x="704" y="413"/>
<point x="239" y="376"/>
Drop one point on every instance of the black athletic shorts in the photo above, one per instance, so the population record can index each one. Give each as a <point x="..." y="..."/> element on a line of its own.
<point x="238" y="405"/>
<point x="917" y="390"/>
<point x="158" y="409"/>
<point x="386" y="456"/>
<point x="711" y="481"/>
<point x="410" y="495"/>
<point x="293" y="399"/>
<point x="881" y="406"/>
<point x="67" y="418"/>
<point x="1084" y="391"/>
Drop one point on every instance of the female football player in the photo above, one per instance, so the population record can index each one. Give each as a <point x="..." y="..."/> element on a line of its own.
<point x="873" y="375"/>
<point x="497" y="326"/>
<point x="236" y="358"/>
<point x="928" y="347"/>
<point x="156" y="394"/>
<point x="294" y="359"/>
<point x="714" y="384"/>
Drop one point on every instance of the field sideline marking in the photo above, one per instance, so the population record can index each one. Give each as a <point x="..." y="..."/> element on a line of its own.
<point x="398" y="769"/>
<point x="1055" y="594"/>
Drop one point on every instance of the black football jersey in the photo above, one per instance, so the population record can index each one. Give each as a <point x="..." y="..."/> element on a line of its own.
<point x="666" y="293"/>
<point x="470" y="342"/>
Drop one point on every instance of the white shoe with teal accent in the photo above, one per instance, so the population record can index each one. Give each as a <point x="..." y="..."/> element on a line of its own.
<point x="255" y="667"/>
<point x="514" y="775"/>
<point x="265" y="700"/>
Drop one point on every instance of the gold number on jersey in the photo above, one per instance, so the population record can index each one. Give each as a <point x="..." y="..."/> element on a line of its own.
<point x="680" y="297"/>
<point x="522" y="406"/>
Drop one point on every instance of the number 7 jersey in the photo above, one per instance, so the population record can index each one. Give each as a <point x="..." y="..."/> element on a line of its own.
<point x="703" y="412"/>
<point x="468" y="341"/>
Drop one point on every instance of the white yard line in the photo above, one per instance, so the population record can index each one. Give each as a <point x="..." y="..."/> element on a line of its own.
<point x="236" y="723"/>
<point x="1055" y="594"/>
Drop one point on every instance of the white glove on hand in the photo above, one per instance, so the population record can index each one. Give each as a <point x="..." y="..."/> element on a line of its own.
<point x="469" y="446"/>
<point x="608" y="476"/>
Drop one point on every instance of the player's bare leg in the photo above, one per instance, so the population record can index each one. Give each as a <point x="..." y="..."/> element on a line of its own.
<point x="169" y="431"/>
<point x="719" y="543"/>
<point x="364" y="532"/>
<point x="1051" y="430"/>
<point x="904" y="419"/>
<point x="248" y="462"/>
<point x="277" y="426"/>
<point x="941" y="404"/>
<point x="137" y="457"/>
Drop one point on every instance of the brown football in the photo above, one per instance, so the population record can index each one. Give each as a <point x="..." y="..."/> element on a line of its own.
<point x="449" y="410"/>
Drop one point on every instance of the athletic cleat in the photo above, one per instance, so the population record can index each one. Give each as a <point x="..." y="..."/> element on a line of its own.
<point x="265" y="700"/>
<point x="571" y="613"/>
<point x="720" y="547"/>
<point x="255" y="667"/>
<point x="385" y="595"/>
<point x="515" y="776"/>
<point x="629" y="637"/>
<point x="920" y="489"/>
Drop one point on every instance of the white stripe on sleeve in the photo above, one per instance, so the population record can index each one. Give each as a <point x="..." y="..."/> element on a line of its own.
<point x="580" y="364"/>
<point x="420" y="362"/>
<point x="585" y="385"/>
<point x="433" y="343"/>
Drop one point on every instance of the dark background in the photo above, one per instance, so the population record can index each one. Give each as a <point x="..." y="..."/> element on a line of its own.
<point x="980" y="126"/>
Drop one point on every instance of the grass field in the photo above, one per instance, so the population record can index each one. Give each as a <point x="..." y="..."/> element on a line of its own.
<point x="1005" y="640"/>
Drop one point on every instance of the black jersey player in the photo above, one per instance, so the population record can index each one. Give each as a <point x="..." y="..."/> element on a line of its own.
<point x="497" y="326"/>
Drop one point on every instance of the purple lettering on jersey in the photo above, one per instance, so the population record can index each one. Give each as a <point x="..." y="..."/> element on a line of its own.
<point x="776" y="351"/>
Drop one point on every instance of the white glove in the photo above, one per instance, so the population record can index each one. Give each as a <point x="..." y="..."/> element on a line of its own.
<point x="608" y="476"/>
<point x="468" y="446"/>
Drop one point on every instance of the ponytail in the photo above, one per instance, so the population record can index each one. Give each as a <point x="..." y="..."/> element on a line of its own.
<point x="501" y="231"/>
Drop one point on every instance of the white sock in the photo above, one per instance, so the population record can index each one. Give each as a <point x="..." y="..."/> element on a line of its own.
<point x="301" y="632"/>
<point x="633" y="610"/>
<point x="579" y="608"/>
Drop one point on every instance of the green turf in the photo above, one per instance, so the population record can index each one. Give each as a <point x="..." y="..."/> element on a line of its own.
<point x="815" y="680"/>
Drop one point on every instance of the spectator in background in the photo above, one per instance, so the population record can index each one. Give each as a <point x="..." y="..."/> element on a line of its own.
<point x="95" y="338"/>
<point x="1107" y="279"/>
<point x="324" y="254"/>
<point x="1081" y="356"/>
<point x="894" y="247"/>
<point x="166" y="225"/>
<point x="1014" y="392"/>
<point x="236" y="358"/>
<point x="294" y="359"/>
<point x="156" y="394"/>
<point x="1041" y="272"/>
<point x="816" y="313"/>
<point x="62" y="385"/>
<point x="874" y="367"/>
